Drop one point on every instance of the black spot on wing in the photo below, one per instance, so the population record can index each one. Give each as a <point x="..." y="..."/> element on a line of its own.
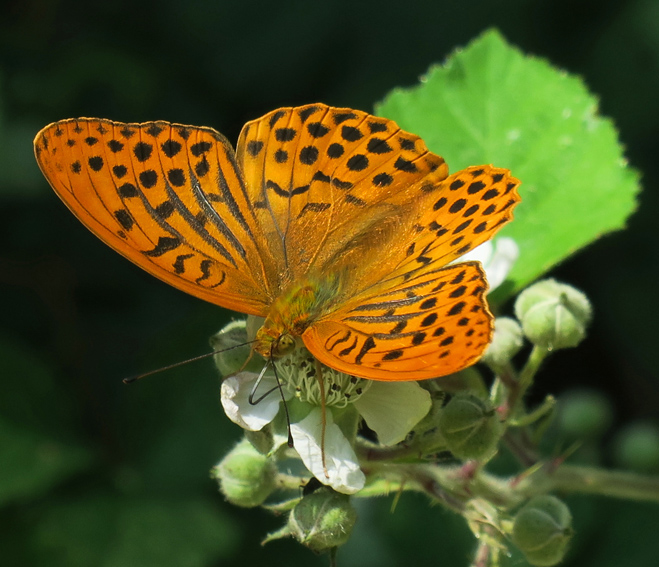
<point x="369" y="344"/>
<point x="164" y="245"/>
<point x="142" y="151"/>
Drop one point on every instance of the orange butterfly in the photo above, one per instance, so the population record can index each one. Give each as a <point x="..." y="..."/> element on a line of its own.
<point x="334" y="225"/>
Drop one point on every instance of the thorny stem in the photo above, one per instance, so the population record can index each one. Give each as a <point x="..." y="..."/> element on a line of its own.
<point x="418" y="447"/>
<point x="452" y="487"/>
<point x="517" y="447"/>
<point x="420" y="478"/>
<point x="590" y="480"/>
<point x="375" y="453"/>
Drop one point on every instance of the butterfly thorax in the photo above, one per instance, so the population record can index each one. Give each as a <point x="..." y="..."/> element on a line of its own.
<point x="298" y="307"/>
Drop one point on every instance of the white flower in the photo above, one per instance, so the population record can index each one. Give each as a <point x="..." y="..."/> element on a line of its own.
<point x="389" y="409"/>
<point x="235" y="393"/>
<point x="341" y="469"/>
<point x="497" y="259"/>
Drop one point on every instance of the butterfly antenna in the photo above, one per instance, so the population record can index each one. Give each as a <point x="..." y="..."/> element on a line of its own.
<point x="256" y="385"/>
<point x="132" y="379"/>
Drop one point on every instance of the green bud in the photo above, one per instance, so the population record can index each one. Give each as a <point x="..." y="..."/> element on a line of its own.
<point x="233" y="357"/>
<point x="507" y="341"/>
<point x="246" y="476"/>
<point x="470" y="426"/>
<point x="584" y="414"/>
<point x="636" y="447"/>
<point x="322" y="520"/>
<point x="542" y="530"/>
<point x="553" y="315"/>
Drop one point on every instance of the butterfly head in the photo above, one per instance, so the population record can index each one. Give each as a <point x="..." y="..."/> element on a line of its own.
<point x="272" y="343"/>
<point x="285" y="344"/>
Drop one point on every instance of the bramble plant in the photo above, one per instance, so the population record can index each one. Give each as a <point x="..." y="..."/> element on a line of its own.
<point x="445" y="437"/>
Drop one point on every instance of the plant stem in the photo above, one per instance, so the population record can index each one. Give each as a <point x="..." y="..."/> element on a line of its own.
<point x="517" y="447"/>
<point x="450" y="486"/>
<point x="439" y="483"/>
<point x="518" y="388"/>
<point x="419" y="446"/>
<point x="482" y="558"/>
<point x="538" y="354"/>
<point x="542" y="410"/>
<point x="588" y="480"/>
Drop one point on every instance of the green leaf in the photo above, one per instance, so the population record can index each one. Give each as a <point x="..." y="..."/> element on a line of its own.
<point x="492" y="104"/>
<point x="111" y="531"/>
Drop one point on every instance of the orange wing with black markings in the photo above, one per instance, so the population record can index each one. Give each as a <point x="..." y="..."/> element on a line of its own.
<point x="333" y="203"/>
<point x="168" y="197"/>
<point x="434" y="325"/>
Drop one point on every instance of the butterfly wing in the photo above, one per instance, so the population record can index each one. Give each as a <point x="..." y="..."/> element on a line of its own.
<point x="421" y="320"/>
<point x="351" y="198"/>
<point x="436" y="324"/>
<point x="458" y="214"/>
<point x="323" y="179"/>
<point x="312" y="192"/>
<point x="168" y="197"/>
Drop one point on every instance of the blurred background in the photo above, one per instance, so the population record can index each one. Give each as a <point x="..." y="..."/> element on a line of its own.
<point x="93" y="472"/>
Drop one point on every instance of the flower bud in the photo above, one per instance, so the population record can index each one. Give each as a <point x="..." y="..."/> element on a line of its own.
<point x="542" y="529"/>
<point x="322" y="520"/>
<point x="584" y="414"/>
<point x="508" y="339"/>
<point x="470" y="427"/>
<point x="636" y="447"/>
<point x="553" y="315"/>
<point x="246" y="476"/>
<point x="232" y="357"/>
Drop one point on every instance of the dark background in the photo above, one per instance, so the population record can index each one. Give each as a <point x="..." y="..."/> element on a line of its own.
<point x="82" y="318"/>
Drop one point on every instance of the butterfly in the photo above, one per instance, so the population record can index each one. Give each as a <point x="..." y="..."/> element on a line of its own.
<point x="335" y="226"/>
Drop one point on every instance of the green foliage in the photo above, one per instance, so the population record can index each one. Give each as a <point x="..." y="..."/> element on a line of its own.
<point x="491" y="104"/>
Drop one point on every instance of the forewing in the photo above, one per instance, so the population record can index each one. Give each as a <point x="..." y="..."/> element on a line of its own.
<point x="436" y="324"/>
<point x="324" y="180"/>
<point x="168" y="197"/>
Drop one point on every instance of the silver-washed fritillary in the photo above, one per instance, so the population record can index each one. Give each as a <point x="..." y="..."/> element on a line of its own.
<point x="334" y="225"/>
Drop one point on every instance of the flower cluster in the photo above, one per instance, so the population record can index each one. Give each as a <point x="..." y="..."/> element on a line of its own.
<point x="301" y="422"/>
<point x="324" y="440"/>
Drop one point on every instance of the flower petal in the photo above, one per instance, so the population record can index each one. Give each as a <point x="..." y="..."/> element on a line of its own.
<point x="392" y="409"/>
<point x="505" y="255"/>
<point x="343" y="473"/>
<point x="482" y="254"/>
<point x="234" y="395"/>
<point x="497" y="259"/>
